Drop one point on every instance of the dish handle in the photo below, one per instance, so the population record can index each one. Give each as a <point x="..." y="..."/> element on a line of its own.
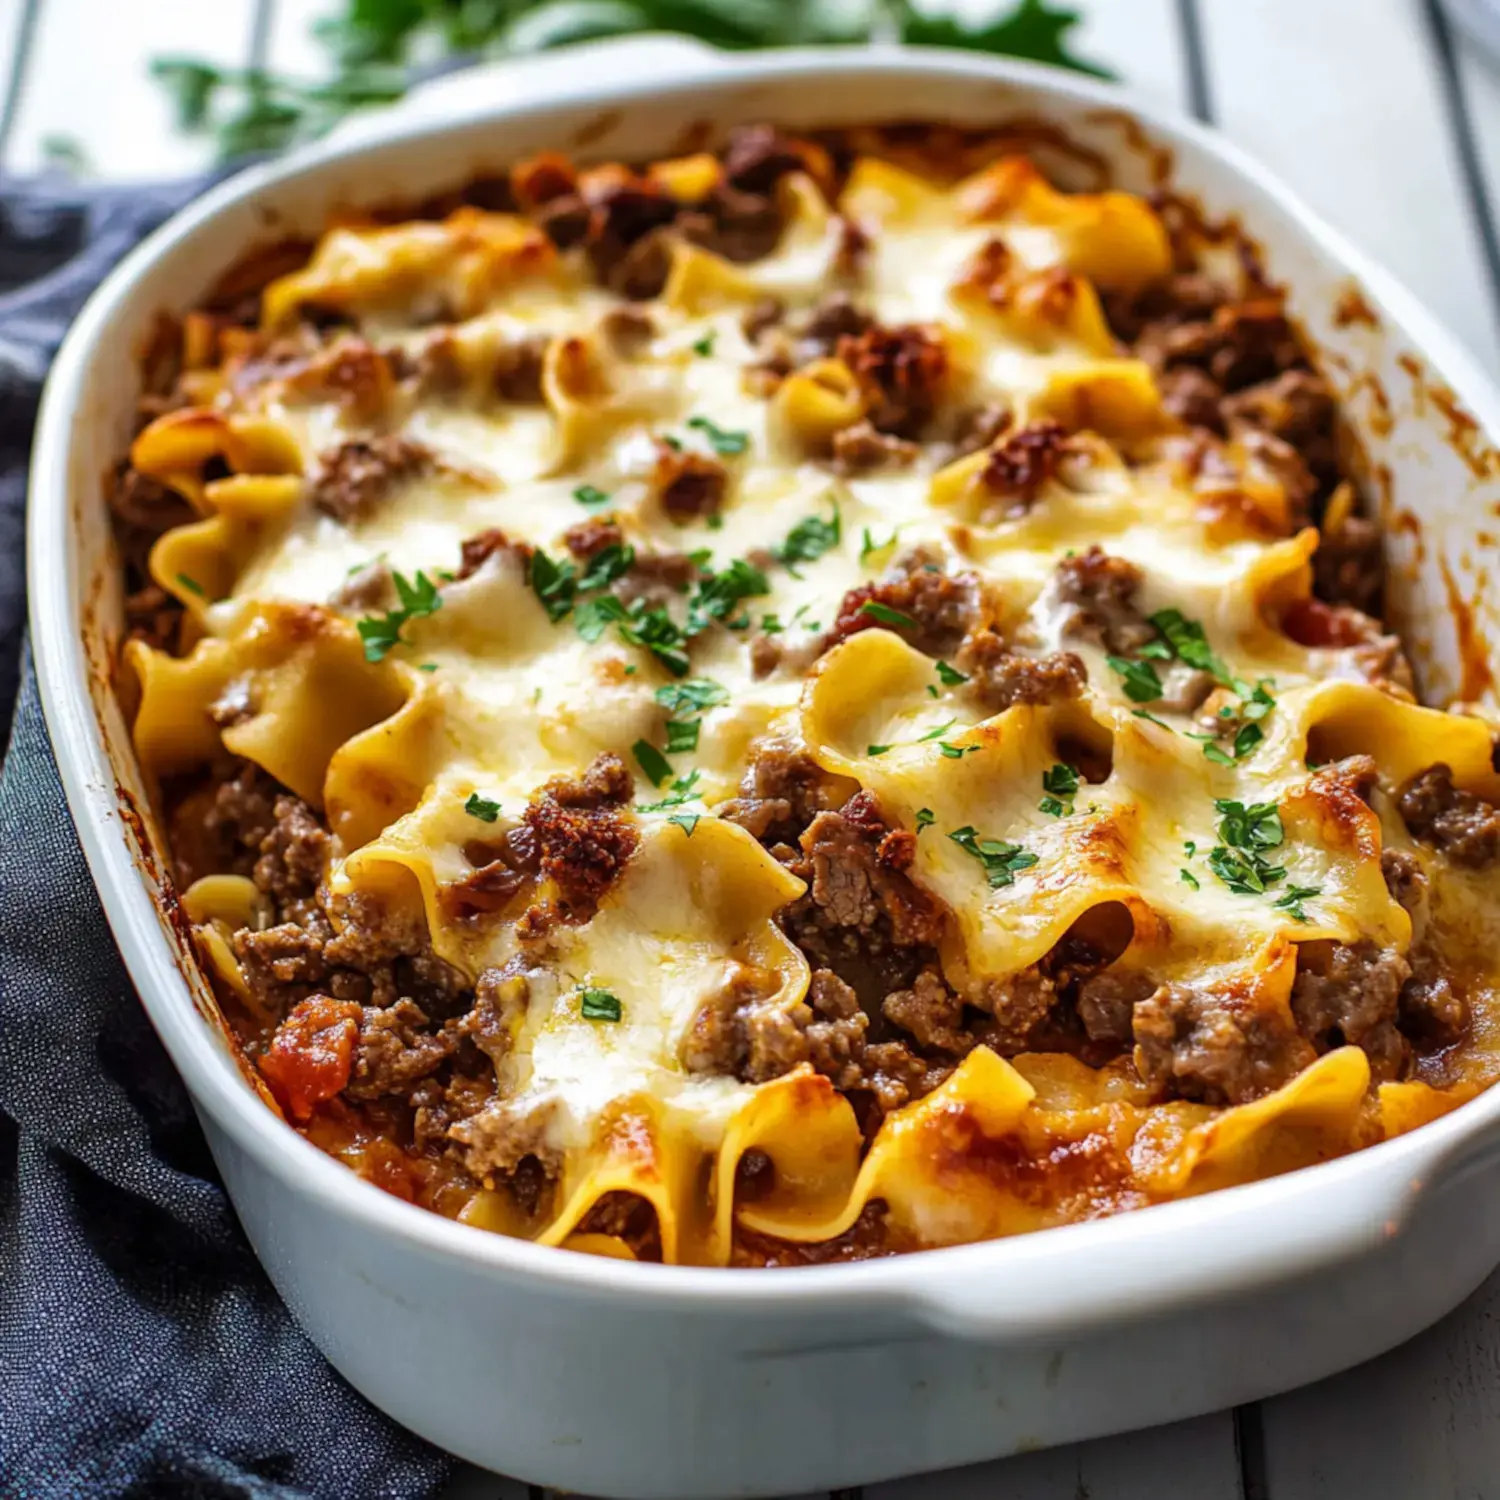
<point x="1235" y="1242"/>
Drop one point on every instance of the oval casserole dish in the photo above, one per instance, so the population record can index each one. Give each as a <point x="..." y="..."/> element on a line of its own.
<point x="640" y="1380"/>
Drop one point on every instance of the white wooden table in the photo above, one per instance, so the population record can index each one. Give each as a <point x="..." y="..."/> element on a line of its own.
<point x="1387" y="124"/>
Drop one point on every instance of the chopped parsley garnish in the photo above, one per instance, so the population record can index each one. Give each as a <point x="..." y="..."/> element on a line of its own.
<point x="1060" y="782"/>
<point x="1188" y="878"/>
<point x="381" y="632"/>
<point x="427" y="666"/>
<point x="599" y="1005"/>
<point x="1141" y="683"/>
<point x="684" y="789"/>
<point x="592" y="498"/>
<point x="719" y="592"/>
<point x="719" y="439"/>
<point x="657" y="632"/>
<point x="955" y="752"/>
<point x="555" y="584"/>
<point x="593" y="616"/>
<point x="654" y="765"/>
<point x="950" y="676"/>
<point x="482" y="808"/>
<point x="1246" y="832"/>
<point x="771" y="625"/>
<point x="705" y="345"/>
<point x="606" y="565"/>
<point x="876" y="749"/>
<point x="886" y="615"/>
<point x="938" y="732"/>
<point x="1186" y="641"/>
<point x="1189" y="848"/>
<point x="1150" y="718"/>
<point x="925" y="818"/>
<point x="1291" y="899"/>
<point x="687" y="822"/>
<point x="1215" y="754"/>
<point x="868" y="546"/>
<point x="1249" y="736"/>
<point x="1002" y="862"/>
<point x="808" y="540"/>
<point x="694" y="692"/>
<point x="192" y="585"/>
<point x="682" y="735"/>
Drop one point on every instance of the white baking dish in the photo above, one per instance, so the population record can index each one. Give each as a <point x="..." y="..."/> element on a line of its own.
<point x="623" y="1379"/>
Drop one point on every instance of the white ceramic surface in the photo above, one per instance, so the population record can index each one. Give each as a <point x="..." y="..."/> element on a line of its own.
<point x="617" y="1379"/>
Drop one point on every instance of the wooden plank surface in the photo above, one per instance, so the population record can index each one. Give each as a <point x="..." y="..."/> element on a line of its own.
<point x="88" y="81"/>
<point x="1345" y="100"/>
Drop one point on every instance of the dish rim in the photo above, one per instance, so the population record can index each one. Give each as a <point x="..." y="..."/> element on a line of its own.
<point x="1363" y="1196"/>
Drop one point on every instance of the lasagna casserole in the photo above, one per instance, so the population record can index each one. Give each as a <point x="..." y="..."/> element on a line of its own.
<point x="795" y="703"/>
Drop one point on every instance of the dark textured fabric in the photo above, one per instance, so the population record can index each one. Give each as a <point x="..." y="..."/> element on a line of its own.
<point x="142" y="1350"/>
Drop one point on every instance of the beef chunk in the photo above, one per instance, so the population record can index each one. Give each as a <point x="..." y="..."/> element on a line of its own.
<point x="757" y="157"/>
<point x="691" y="486"/>
<point x="517" y="375"/>
<point x="583" y="840"/>
<point x="293" y="853"/>
<point x="1000" y="679"/>
<point x="1348" y="993"/>
<point x="784" y="789"/>
<point x="478" y="549"/>
<point x="931" y="1012"/>
<point x="935" y="609"/>
<point x="1349" y="565"/>
<point x="1459" y="825"/>
<point x="1217" y="1046"/>
<point x="1106" y="1004"/>
<point x="1433" y="1010"/>
<point x="588" y="538"/>
<point x="862" y="449"/>
<point x="358" y="475"/>
<point x="862" y="916"/>
<point x="397" y="1049"/>
<point x="1097" y="592"/>
<point x="1027" y="459"/>
<point x="901" y="372"/>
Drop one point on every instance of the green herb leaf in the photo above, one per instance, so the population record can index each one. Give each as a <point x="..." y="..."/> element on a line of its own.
<point x="876" y="749"/>
<point x="682" y="735"/>
<point x="956" y="752"/>
<point x="719" y="593"/>
<point x="1247" y="739"/>
<point x="687" y="822"/>
<point x="1139" y="678"/>
<point x="1150" y="718"/>
<point x="654" y="765"/>
<point x="599" y="1005"/>
<point x="482" y="808"/>
<point x="1244" y="872"/>
<point x="417" y="598"/>
<point x="1188" y="878"/>
<point x="950" y="676"/>
<point x="606" y="565"/>
<point x="925" y="818"/>
<point x="808" y="540"/>
<point x="555" y="584"/>
<point x="696" y="692"/>
<point x="1002" y="861"/>
<point x="1033" y="29"/>
<point x="1253" y="826"/>
<point x="592" y="498"/>
<point x="720" y="439"/>
<point x="192" y="585"/>
<point x="886" y="615"/>
<point x="705" y="345"/>
<point x="594" y="616"/>
<point x="1190" y="644"/>
<point x="684" y="789"/>
<point x="1292" y="898"/>
<point x="937" y="732"/>
<point x="1060" y="782"/>
<point x="1216" y="755"/>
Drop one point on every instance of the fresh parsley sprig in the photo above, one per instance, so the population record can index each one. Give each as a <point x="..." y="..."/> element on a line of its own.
<point x="380" y="633"/>
<point x="1002" y="861"/>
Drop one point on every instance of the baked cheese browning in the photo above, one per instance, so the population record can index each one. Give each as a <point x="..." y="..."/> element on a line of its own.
<point x="795" y="704"/>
